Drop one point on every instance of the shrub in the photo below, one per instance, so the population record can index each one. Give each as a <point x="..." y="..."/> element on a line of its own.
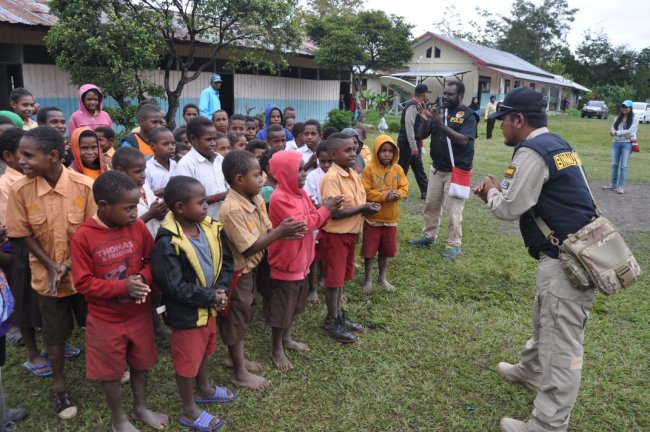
<point x="393" y="124"/>
<point x="339" y="119"/>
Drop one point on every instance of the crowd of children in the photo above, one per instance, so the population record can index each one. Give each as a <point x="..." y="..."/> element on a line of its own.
<point x="188" y="227"/>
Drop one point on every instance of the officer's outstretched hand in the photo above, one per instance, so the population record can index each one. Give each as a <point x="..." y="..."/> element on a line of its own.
<point x="489" y="182"/>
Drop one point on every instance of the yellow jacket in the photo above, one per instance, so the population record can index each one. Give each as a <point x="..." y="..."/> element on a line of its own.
<point x="378" y="180"/>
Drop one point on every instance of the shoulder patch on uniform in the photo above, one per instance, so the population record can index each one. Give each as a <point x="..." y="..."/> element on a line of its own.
<point x="460" y="114"/>
<point x="510" y="171"/>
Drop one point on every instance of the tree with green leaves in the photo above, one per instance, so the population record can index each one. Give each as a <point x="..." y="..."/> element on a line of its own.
<point x="182" y="31"/>
<point x="368" y="40"/>
<point x="334" y="7"/>
<point x="100" y="42"/>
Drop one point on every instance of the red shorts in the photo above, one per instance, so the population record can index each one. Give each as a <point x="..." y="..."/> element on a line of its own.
<point x="337" y="258"/>
<point x="110" y="346"/>
<point x="382" y="239"/>
<point x="191" y="346"/>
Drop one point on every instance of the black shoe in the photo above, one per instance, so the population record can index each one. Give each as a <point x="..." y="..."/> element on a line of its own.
<point x="343" y="318"/>
<point x="336" y="331"/>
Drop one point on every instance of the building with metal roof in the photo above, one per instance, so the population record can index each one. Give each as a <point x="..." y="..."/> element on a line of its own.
<point x="485" y="71"/>
<point x="25" y="62"/>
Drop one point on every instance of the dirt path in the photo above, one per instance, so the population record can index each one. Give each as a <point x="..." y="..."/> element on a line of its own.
<point x="629" y="212"/>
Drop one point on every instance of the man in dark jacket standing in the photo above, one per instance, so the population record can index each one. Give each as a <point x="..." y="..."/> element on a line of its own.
<point x="408" y="140"/>
<point x="545" y="175"/>
<point x="456" y="123"/>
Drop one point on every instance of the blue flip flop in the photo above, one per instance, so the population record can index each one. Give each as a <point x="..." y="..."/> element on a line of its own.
<point x="202" y="422"/>
<point x="71" y="352"/>
<point x="34" y="369"/>
<point x="220" y="396"/>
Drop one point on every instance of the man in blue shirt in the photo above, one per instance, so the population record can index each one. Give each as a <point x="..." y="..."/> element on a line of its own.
<point x="209" y="101"/>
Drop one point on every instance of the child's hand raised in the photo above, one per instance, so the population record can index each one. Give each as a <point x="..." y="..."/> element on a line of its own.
<point x="333" y="203"/>
<point x="370" y="208"/>
<point x="137" y="289"/>
<point x="158" y="209"/>
<point x="291" y="229"/>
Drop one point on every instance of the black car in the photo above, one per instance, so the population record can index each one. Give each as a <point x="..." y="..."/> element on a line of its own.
<point x="595" y="109"/>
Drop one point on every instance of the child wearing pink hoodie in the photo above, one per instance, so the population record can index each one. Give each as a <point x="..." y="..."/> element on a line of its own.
<point x="290" y="259"/>
<point x="90" y="113"/>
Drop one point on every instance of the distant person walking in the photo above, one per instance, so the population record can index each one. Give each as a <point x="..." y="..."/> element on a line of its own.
<point x="489" y="109"/>
<point x="624" y="132"/>
<point x="408" y="140"/>
<point x="209" y="101"/>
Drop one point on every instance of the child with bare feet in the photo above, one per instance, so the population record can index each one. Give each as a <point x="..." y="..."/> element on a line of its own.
<point x="111" y="267"/>
<point x="385" y="184"/>
<point x="249" y="232"/>
<point x="193" y="268"/>
<point x="290" y="259"/>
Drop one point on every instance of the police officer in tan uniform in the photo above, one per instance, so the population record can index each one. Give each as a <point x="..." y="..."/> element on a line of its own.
<point x="544" y="176"/>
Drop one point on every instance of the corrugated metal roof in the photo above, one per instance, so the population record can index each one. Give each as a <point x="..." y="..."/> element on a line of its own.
<point x="486" y="55"/>
<point x="37" y="13"/>
<point x="429" y="74"/>
<point x="26" y="12"/>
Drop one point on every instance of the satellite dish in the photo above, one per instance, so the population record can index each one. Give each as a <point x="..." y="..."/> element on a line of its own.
<point x="399" y="85"/>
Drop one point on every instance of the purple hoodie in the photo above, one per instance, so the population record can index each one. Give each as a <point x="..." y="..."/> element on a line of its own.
<point x="82" y="117"/>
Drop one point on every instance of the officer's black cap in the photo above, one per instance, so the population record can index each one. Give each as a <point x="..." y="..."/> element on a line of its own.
<point x="523" y="100"/>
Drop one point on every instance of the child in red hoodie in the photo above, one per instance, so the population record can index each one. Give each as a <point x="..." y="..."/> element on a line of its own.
<point x="111" y="267"/>
<point x="290" y="259"/>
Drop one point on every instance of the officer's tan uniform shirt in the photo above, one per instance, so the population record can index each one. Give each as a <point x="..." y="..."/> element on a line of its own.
<point x="522" y="185"/>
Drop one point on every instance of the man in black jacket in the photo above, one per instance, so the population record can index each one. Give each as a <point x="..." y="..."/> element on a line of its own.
<point x="455" y="123"/>
<point x="408" y="140"/>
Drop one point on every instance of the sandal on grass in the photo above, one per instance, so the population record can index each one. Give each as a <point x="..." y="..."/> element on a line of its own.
<point x="42" y="371"/>
<point x="70" y="352"/>
<point x="202" y="422"/>
<point x="220" y="396"/>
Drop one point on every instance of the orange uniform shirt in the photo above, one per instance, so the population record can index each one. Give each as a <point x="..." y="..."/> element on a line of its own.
<point x="338" y="181"/>
<point x="51" y="215"/>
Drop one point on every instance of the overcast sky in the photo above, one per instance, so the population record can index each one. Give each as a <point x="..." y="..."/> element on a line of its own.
<point x="627" y="22"/>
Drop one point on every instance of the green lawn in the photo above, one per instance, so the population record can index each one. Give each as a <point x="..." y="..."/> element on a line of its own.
<point x="427" y="362"/>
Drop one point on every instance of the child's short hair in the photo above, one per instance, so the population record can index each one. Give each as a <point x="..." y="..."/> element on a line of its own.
<point x="18" y="93"/>
<point x="235" y="163"/>
<point x="5" y="120"/>
<point x="219" y="111"/>
<point x="182" y="147"/>
<point x="181" y="130"/>
<point x="108" y="132"/>
<point x="177" y="190"/>
<point x="363" y="133"/>
<point x="298" y="129"/>
<point x="232" y="138"/>
<point x="196" y="125"/>
<point x="190" y="105"/>
<point x="321" y="148"/>
<point x="9" y="140"/>
<point x="286" y="110"/>
<point x="313" y="123"/>
<point x="41" y="116"/>
<point x="147" y="110"/>
<point x="111" y="185"/>
<point x="155" y="133"/>
<point x="221" y="135"/>
<point x="88" y="133"/>
<point x="328" y="131"/>
<point x="256" y="144"/>
<point x="235" y="117"/>
<point x="47" y="139"/>
<point x="125" y="157"/>
<point x="275" y="128"/>
<point x="266" y="158"/>
<point x="335" y="140"/>
<point x="249" y="119"/>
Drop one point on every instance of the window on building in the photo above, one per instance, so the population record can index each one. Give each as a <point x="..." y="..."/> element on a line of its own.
<point x="428" y="55"/>
<point x="532" y="85"/>
<point x="437" y="54"/>
<point x="36" y="54"/>
<point x="484" y="83"/>
<point x="308" y="73"/>
<point x="506" y="86"/>
<point x="517" y="83"/>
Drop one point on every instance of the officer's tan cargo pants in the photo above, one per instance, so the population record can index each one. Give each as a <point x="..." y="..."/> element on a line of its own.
<point x="436" y="200"/>
<point x="555" y="351"/>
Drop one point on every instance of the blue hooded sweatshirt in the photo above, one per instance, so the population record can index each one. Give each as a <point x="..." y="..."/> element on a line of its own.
<point x="262" y="134"/>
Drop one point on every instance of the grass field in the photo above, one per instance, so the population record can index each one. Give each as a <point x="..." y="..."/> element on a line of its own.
<point x="427" y="362"/>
